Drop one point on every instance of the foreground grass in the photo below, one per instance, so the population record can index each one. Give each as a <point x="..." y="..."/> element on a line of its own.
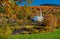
<point x="50" y="35"/>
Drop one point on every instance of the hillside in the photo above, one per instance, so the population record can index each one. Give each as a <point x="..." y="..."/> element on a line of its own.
<point x="49" y="4"/>
<point x="14" y="19"/>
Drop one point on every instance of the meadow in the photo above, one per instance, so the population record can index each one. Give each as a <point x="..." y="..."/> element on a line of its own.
<point x="48" y="35"/>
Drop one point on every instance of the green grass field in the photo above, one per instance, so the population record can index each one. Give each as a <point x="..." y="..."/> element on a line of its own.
<point x="49" y="35"/>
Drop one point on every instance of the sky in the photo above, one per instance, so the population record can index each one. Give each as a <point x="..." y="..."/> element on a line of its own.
<point x="39" y="2"/>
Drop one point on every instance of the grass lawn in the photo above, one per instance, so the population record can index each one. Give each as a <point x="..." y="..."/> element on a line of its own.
<point x="49" y="35"/>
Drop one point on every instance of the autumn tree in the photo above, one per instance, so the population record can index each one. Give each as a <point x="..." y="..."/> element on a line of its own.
<point x="26" y="1"/>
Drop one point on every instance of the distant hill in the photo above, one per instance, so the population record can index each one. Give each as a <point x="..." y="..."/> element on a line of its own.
<point x="49" y="5"/>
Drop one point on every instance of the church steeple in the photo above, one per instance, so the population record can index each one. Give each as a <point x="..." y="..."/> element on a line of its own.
<point x="40" y="17"/>
<point x="40" y="13"/>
